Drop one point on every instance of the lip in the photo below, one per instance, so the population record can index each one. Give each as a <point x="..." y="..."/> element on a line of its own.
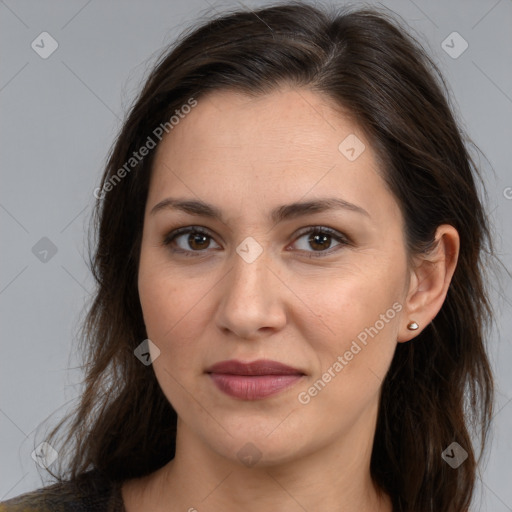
<point x="253" y="380"/>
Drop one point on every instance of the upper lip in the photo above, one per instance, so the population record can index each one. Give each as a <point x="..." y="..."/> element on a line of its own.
<point x="259" y="367"/>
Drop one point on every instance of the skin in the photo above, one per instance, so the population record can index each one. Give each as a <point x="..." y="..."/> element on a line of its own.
<point x="246" y="156"/>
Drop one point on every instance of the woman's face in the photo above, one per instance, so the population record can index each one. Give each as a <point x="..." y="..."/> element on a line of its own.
<point x="256" y="285"/>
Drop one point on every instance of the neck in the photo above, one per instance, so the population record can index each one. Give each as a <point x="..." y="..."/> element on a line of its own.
<point x="335" y="477"/>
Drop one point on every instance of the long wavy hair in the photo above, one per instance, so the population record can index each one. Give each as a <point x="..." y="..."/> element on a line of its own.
<point x="439" y="388"/>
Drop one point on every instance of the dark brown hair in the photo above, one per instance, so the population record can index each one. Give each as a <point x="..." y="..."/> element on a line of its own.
<point x="439" y="388"/>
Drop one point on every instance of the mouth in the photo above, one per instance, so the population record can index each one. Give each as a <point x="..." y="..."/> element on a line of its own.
<point x="254" y="380"/>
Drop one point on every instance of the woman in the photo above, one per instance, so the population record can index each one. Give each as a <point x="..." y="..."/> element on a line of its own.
<point x="290" y="311"/>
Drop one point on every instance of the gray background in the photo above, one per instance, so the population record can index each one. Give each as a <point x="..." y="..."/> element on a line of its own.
<point x="58" y="118"/>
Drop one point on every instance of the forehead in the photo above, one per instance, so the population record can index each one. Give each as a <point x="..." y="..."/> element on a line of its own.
<point x="285" y="144"/>
<point x="285" y="119"/>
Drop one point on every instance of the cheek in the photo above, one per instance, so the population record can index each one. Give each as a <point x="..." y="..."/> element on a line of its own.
<point x="356" y="317"/>
<point x="165" y="295"/>
<point x="172" y="311"/>
<point x="173" y="306"/>
<point x="344" y="302"/>
<point x="350" y="365"/>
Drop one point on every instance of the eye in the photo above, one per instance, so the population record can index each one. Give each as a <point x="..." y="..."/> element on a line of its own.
<point x="189" y="240"/>
<point x="194" y="240"/>
<point x="320" y="239"/>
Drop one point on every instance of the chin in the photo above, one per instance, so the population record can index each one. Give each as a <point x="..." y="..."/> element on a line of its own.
<point x="260" y="447"/>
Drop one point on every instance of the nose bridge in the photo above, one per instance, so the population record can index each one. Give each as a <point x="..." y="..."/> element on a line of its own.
<point x="248" y="275"/>
<point x="250" y="297"/>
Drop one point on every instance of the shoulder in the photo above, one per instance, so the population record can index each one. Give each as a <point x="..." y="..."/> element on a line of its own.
<point x="91" y="492"/>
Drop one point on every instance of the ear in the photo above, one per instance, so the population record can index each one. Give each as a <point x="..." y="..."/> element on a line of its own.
<point x="429" y="281"/>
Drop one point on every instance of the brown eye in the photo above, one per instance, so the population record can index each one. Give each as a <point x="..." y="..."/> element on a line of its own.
<point x="189" y="240"/>
<point x="193" y="240"/>
<point x="198" y="241"/>
<point x="320" y="240"/>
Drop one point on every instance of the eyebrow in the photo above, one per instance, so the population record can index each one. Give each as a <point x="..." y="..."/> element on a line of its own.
<point x="278" y="214"/>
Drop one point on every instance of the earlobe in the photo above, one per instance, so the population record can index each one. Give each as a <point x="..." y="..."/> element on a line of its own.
<point x="429" y="282"/>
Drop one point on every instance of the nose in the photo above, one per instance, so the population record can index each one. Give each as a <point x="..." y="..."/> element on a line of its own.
<point x="252" y="299"/>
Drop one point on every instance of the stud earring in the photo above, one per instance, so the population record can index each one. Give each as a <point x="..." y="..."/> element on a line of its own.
<point x="412" y="326"/>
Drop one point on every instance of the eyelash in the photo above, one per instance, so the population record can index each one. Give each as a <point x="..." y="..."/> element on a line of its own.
<point x="316" y="230"/>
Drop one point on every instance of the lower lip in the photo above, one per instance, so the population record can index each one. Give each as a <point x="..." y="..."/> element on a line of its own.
<point x="253" y="387"/>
